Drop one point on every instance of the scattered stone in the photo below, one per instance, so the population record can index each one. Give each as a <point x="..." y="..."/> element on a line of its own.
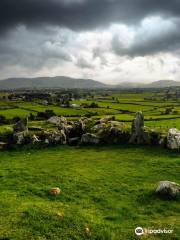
<point x="76" y="129"/>
<point x="168" y="190"/>
<point x="20" y="132"/>
<point x="107" y="125"/>
<point x="155" y="138"/>
<point x="74" y="141"/>
<point x="117" y="124"/>
<point x="60" y="215"/>
<point x="19" y="137"/>
<point x="112" y="132"/>
<point x="82" y="124"/>
<point x="69" y="128"/>
<point x="35" y="139"/>
<point x="89" y="138"/>
<point x="89" y="131"/>
<point x="173" y="139"/>
<point x="46" y="141"/>
<point x="45" y="102"/>
<point x="55" y="137"/>
<point x="163" y="141"/>
<point x="3" y="145"/>
<point x="75" y="105"/>
<point x="35" y="128"/>
<point x="87" y="231"/>
<point x="98" y="127"/>
<point x="107" y="119"/>
<point x="55" y="191"/>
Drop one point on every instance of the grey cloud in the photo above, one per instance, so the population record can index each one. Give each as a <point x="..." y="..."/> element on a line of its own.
<point x="165" y="38"/>
<point x="32" y="50"/>
<point x="81" y="14"/>
<point x="55" y="50"/>
<point x="83" y="63"/>
<point x="98" y="52"/>
<point x="28" y="34"/>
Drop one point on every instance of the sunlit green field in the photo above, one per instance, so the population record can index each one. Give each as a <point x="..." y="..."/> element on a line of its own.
<point x="122" y="106"/>
<point x="107" y="190"/>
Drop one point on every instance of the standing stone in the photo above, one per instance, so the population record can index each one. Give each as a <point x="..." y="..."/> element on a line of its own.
<point x="20" y="132"/>
<point x="138" y="135"/>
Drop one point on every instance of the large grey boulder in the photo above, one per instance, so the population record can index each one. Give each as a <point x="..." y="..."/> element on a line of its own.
<point x="98" y="127"/>
<point x="173" y="139"/>
<point x="89" y="138"/>
<point x="77" y="128"/>
<point x="112" y="132"/>
<point x="168" y="190"/>
<point x="138" y="133"/>
<point x="58" y="121"/>
<point x="55" y="137"/>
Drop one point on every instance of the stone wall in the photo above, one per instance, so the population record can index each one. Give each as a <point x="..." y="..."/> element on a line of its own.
<point x="89" y="131"/>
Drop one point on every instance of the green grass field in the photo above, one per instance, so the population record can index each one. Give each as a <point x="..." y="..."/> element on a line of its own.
<point x="107" y="189"/>
<point x="122" y="106"/>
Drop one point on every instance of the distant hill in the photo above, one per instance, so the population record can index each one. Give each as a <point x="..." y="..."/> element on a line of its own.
<point x="74" y="83"/>
<point x="50" y="82"/>
<point x="163" y="83"/>
<point x="156" y="84"/>
<point x="130" y="85"/>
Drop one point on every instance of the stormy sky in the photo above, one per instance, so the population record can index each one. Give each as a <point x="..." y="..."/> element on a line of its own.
<point x="107" y="40"/>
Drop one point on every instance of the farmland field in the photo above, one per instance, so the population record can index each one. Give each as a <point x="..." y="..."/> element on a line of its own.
<point x="106" y="191"/>
<point x="122" y="106"/>
<point x="109" y="190"/>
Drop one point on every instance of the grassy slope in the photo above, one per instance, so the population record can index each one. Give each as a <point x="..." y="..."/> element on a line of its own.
<point x="108" y="189"/>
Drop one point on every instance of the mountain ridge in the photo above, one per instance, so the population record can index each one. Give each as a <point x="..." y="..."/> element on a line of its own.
<point x="49" y="82"/>
<point x="76" y="83"/>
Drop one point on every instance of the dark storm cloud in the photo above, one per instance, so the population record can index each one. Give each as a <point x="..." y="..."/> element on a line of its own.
<point x="80" y="14"/>
<point x="36" y="34"/>
<point x="32" y="49"/>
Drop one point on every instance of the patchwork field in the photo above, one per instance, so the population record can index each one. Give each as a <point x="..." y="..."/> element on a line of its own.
<point x="158" y="111"/>
<point x="106" y="193"/>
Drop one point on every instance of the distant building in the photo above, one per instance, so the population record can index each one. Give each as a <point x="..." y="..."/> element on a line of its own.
<point x="45" y="102"/>
<point x="75" y="105"/>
